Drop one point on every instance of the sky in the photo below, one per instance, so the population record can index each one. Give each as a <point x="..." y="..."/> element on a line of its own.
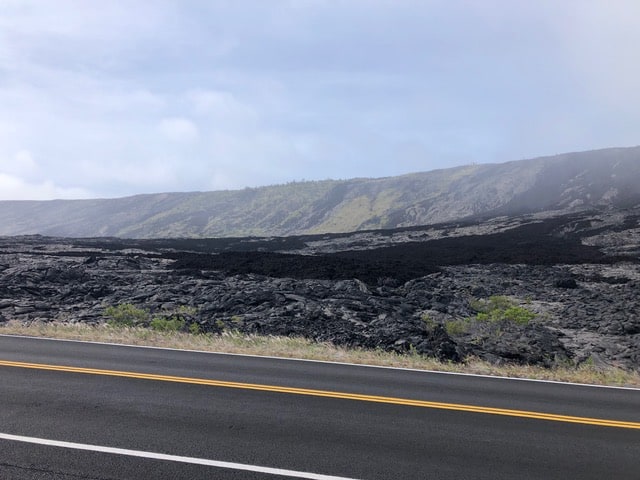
<point x="107" y="99"/>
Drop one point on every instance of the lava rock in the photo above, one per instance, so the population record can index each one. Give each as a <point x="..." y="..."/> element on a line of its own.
<point x="391" y="292"/>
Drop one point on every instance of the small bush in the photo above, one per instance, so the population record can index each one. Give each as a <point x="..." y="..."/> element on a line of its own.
<point x="499" y="308"/>
<point x="187" y="310"/>
<point x="456" y="327"/>
<point x="126" y="315"/>
<point x="164" y="324"/>
<point x="428" y="321"/>
<point x="518" y="314"/>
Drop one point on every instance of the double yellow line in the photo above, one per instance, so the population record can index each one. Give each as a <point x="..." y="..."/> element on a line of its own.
<point x="329" y="394"/>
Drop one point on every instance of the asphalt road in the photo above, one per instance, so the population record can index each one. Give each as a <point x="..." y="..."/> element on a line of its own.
<point x="170" y="415"/>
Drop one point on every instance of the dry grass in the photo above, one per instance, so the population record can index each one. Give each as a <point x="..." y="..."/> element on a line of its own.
<point x="233" y="342"/>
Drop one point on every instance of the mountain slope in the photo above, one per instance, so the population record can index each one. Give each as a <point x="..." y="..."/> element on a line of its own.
<point x="601" y="178"/>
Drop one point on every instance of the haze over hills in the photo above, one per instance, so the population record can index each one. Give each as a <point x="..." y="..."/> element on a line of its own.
<point x="595" y="179"/>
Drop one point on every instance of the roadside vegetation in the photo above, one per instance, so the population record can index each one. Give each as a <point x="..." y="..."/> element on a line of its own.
<point x="173" y="331"/>
<point x="501" y="309"/>
<point x="495" y="309"/>
<point x="128" y="315"/>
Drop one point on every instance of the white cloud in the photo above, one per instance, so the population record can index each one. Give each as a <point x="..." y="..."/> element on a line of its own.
<point x="15" y="188"/>
<point x="221" y="181"/>
<point x="117" y="23"/>
<point x="21" y="163"/>
<point x="109" y="100"/>
<point x="179" y="129"/>
<point x="142" y="174"/>
<point x="222" y="104"/>
<point x="262" y="157"/>
<point x="600" y="41"/>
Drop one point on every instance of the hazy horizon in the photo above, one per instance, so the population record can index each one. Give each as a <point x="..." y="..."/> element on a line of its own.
<point x="303" y="180"/>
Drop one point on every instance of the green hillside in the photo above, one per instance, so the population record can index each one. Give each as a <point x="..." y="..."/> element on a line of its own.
<point x="601" y="178"/>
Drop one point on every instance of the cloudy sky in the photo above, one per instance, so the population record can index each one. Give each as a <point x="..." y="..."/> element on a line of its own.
<point x="113" y="98"/>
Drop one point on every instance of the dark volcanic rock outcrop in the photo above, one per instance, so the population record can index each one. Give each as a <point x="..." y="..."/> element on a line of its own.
<point x="400" y="290"/>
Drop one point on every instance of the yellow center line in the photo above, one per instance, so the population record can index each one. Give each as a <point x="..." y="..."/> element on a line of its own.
<point x="329" y="394"/>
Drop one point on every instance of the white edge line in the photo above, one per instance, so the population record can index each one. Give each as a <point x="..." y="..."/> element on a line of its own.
<point x="171" y="458"/>
<point x="329" y="362"/>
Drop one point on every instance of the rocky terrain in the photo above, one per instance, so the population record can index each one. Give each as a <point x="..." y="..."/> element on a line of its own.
<point x="560" y="183"/>
<point x="568" y="285"/>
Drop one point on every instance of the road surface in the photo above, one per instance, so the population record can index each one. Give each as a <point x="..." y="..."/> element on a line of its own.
<point x="72" y="410"/>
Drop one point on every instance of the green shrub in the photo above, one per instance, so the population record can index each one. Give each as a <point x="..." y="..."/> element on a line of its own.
<point x="496" y="302"/>
<point x="126" y="315"/>
<point x="519" y="315"/>
<point x="186" y="310"/>
<point x="500" y="308"/>
<point x="428" y="321"/>
<point x="456" y="327"/>
<point x="167" y="324"/>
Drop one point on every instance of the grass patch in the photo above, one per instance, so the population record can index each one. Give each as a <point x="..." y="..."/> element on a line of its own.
<point x="233" y="342"/>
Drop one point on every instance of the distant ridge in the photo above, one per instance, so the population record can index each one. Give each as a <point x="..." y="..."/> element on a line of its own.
<point x="608" y="178"/>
